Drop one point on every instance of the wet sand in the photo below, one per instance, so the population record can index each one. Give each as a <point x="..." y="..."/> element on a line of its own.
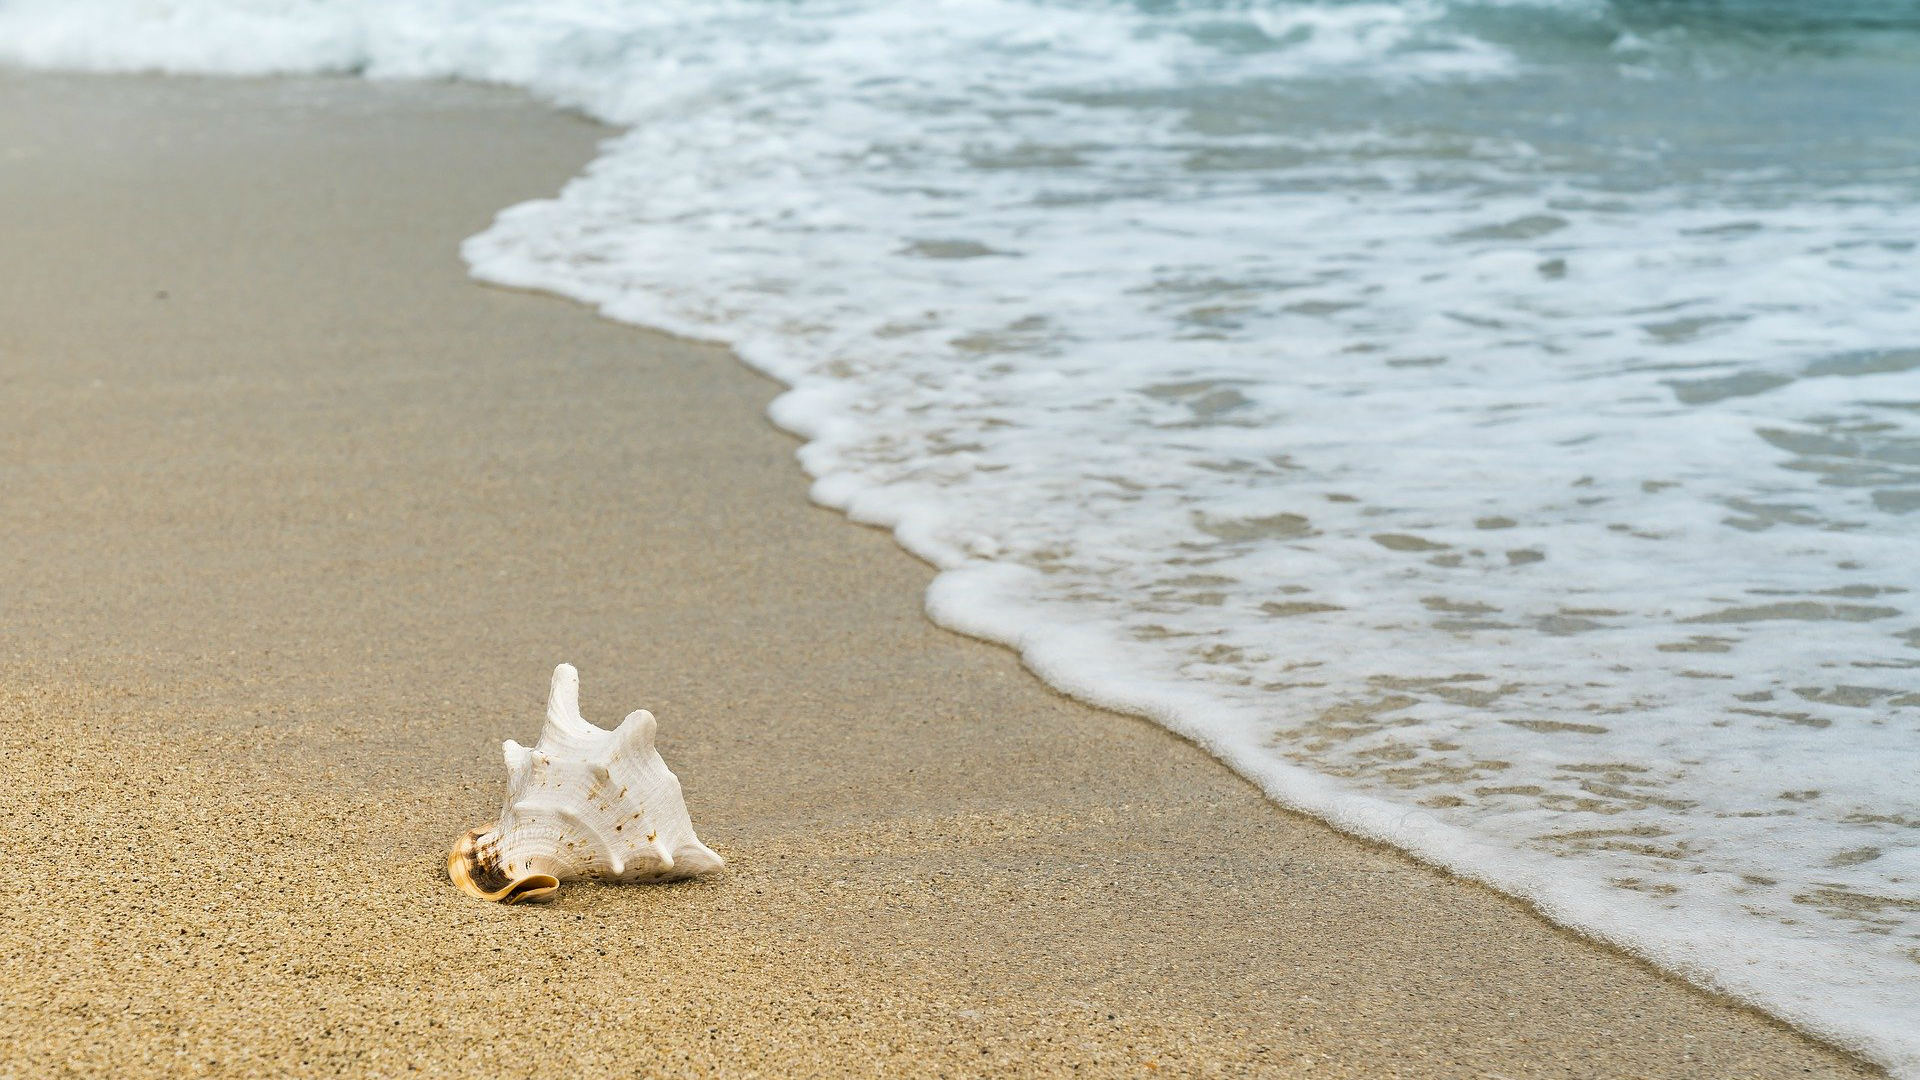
<point x="295" y="522"/>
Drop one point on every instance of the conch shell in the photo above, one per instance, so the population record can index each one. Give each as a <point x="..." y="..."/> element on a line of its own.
<point x="583" y="803"/>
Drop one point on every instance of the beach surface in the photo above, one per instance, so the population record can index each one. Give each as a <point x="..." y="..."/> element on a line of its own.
<point x="296" y="521"/>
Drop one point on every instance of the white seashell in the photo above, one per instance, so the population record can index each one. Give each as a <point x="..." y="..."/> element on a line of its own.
<point x="583" y="803"/>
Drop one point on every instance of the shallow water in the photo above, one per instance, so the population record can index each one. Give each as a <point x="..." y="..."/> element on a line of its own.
<point x="1492" y="426"/>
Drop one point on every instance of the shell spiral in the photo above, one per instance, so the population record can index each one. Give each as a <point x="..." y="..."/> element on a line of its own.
<point x="583" y="802"/>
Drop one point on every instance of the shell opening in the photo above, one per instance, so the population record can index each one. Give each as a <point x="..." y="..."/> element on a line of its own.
<point x="475" y="870"/>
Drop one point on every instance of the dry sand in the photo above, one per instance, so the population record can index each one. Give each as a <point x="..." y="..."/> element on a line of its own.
<point x="295" y="521"/>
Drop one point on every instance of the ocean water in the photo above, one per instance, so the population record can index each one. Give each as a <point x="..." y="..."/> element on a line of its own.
<point x="1492" y="425"/>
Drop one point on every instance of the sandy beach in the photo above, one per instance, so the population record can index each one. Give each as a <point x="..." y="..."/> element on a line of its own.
<point x="296" y="520"/>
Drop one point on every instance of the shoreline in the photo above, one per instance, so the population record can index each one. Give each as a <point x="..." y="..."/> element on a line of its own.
<point x="302" y="519"/>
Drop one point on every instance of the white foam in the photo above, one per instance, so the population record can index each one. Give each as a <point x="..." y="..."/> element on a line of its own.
<point x="1552" y="533"/>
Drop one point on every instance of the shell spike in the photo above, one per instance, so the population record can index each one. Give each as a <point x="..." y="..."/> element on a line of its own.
<point x="519" y="763"/>
<point x="695" y="859"/>
<point x="564" y="721"/>
<point x="637" y="731"/>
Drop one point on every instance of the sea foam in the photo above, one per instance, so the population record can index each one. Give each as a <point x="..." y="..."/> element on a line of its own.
<point x="1402" y="400"/>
